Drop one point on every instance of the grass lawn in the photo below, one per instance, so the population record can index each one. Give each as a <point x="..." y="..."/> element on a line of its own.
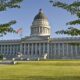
<point x="41" y="70"/>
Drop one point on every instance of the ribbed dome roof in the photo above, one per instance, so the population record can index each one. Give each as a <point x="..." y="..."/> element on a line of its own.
<point x="40" y="15"/>
<point x="40" y="25"/>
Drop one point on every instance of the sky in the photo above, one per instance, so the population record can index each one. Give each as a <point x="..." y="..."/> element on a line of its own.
<point x="29" y="8"/>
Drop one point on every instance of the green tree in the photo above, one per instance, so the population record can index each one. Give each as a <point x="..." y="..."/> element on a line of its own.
<point x="4" y="5"/>
<point x="1" y="56"/>
<point x="74" y="9"/>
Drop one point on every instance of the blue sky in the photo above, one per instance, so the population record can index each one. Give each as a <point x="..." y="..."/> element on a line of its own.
<point x="29" y="8"/>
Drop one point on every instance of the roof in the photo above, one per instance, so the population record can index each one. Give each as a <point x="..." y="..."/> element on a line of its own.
<point x="40" y="15"/>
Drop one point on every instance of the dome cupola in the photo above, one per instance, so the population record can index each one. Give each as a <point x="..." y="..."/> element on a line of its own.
<point x="40" y="25"/>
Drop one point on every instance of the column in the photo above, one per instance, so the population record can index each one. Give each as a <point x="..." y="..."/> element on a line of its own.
<point x="59" y="50"/>
<point x="24" y="49"/>
<point x="79" y="51"/>
<point x="43" y="48"/>
<point x="36" y="49"/>
<point x="4" y="50"/>
<point x="72" y="51"/>
<point x="51" y="50"/>
<point x="13" y="49"/>
<point x="40" y="49"/>
<point x="16" y="49"/>
<point x="67" y="50"/>
<point x="39" y="29"/>
<point x="28" y="50"/>
<point x="76" y="49"/>
<point x="20" y="48"/>
<point x="42" y="30"/>
<point x="63" y="49"/>
<point x="10" y="50"/>
<point x="32" y="50"/>
<point x="48" y="50"/>
<point x="1" y="49"/>
<point x="7" y="50"/>
<point x="55" y="50"/>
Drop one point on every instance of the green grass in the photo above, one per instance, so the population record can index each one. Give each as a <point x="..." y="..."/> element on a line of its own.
<point x="41" y="70"/>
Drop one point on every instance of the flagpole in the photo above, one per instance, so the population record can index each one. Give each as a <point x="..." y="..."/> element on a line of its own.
<point x="19" y="31"/>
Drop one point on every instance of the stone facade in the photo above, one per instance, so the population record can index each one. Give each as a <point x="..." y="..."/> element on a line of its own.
<point x="39" y="43"/>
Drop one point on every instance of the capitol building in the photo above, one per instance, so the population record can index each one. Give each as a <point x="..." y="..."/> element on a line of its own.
<point x="39" y="45"/>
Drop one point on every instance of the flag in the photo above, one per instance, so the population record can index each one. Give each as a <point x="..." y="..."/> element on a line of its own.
<point x="20" y="30"/>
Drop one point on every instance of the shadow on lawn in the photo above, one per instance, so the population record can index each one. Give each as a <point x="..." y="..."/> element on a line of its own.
<point x="53" y="78"/>
<point x="45" y="78"/>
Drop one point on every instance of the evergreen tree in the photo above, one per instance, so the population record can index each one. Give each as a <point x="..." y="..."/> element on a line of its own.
<point x="74" y="9"/>
<point x="4" y="5"/>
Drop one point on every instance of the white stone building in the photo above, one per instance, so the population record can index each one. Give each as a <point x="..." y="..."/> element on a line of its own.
<point x="39" y="43"/>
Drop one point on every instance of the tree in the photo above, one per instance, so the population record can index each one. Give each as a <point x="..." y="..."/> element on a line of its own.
<point x="74" y="9"/>
<point x="4" y="5"/>
<point x="1" y="56"/>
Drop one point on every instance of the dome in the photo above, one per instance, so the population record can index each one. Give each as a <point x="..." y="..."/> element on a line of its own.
<point x="40" y="15"/>
<point x="40" y="25"/>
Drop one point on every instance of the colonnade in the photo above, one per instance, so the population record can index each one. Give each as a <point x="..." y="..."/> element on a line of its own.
<point x="65" y="51"/>
<point x="54" y="50"/>
<point x="35" y="49"/>
<point x="7" y="49"/>
<point x="40" y="30"/>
